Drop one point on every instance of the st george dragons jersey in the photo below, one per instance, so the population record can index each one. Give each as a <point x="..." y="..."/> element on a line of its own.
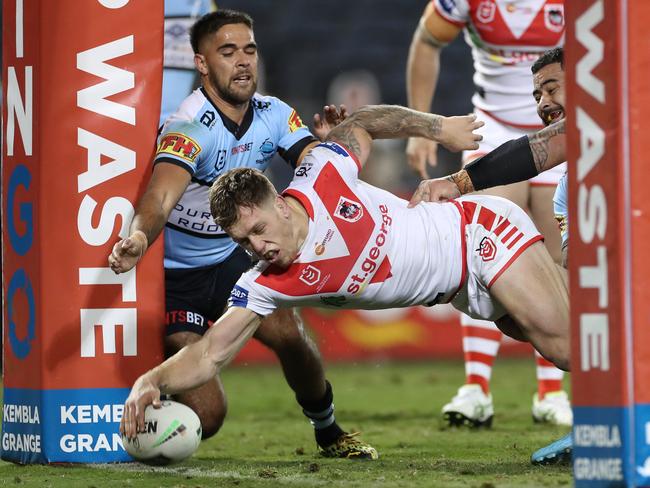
<point x="364" y="248"/>
<point x="202" y="140"/>
<point x="506" y="37"/>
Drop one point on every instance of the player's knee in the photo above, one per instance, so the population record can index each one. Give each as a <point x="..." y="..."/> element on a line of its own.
<point x="559" y="355"/>
<point x="211" y="422"/>
<point x="210" y="405"/>
<point x="283" y="330"/>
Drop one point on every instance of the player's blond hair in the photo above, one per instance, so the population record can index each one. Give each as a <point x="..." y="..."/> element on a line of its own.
<point x="240" y="187"/>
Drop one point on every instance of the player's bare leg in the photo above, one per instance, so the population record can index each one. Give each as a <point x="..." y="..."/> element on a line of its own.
<point x="550" y="403"/>
<point x="209" y="400"/>
<point x="283" y="332"/>
<point x="534" y="292"/>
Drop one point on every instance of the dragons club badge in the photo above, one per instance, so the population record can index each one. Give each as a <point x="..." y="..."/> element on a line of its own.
<point x="487" y="250"/>
<point x="348" y="210"/>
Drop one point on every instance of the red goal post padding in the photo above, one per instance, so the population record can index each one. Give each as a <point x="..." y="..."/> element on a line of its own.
<point x="607" y="65"/>
<point x="82" y="85"/>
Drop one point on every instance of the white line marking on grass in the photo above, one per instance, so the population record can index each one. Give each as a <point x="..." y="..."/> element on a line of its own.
<point x="206" y="473"/>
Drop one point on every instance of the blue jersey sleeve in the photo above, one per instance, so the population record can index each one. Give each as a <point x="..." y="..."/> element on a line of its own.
<point x="292" y="134"/>
<point x="561" y="208"/>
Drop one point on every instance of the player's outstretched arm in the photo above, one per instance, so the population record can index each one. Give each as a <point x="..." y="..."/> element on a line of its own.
<point x="192" y="366"/>
<point x="392" y="122"/>
<point x="432" y="34"/>
<point x="167" y="184"/>
<point x="513" y="161"/>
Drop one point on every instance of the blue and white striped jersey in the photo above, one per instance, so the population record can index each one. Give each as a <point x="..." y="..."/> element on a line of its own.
<point x="561" y="207"/>
<point x="202" y="140"/>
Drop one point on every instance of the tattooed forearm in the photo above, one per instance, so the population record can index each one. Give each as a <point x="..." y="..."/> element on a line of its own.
<point x="548" y="146"/>
<point x="344" y="133"/>
<point x="391" y="122"/>
<point x="462" y="181"/>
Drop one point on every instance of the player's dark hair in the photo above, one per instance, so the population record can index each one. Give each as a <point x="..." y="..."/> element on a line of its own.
<point x="239" y="187"/>
<point x="212" y="22"/>
<point x="555" y="55"/>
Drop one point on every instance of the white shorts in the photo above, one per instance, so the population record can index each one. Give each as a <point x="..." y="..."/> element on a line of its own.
<point x="496" y="133"/>
<point x="496" y="233"/>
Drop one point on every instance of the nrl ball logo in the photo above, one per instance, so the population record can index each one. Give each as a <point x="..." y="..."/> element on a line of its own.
<point x="348" y="210"/>
<point x="487" y="250"/>
<point x="310" y="275"/>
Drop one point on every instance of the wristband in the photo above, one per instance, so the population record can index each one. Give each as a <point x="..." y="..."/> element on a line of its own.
<point x="511" y="162"/>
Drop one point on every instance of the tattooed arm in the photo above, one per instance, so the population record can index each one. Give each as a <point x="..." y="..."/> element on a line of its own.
<point x="392" y="121"/>
<point x="548" y="146"/>
<point x="511" y="162"/>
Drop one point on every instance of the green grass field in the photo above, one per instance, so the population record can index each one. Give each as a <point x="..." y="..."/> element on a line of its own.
<point x="267" y="442"/>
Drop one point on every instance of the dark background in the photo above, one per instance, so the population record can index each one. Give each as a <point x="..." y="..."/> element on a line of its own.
<point x="305" y="46"/>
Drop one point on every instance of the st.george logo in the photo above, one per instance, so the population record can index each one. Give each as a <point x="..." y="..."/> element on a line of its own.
<point x="487" y="250"/>
<point x="310" y="275"/>
<point x="348" y="210"/>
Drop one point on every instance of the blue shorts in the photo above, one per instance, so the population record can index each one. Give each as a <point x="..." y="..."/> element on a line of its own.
<point x="196" y="297"/>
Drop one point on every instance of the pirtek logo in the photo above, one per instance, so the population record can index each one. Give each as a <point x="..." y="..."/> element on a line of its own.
<point x="310" y="275"/>
<point x="487" y="250"/>
<point x="179" y="145"/>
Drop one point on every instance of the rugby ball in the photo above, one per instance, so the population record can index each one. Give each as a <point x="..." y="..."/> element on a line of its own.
<point x="171" y="434"/>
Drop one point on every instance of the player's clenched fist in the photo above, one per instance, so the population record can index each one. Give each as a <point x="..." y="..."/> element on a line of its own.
<point x="458" y="133"/>
<point x="127" y="252"/>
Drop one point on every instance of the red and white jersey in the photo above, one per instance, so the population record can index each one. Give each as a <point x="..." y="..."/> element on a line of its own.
<point x="506" y="37"/>
<point x="364" y="248"/>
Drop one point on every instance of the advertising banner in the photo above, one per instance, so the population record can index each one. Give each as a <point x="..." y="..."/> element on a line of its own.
<point x="415" y="333"/>
<point x="608" y="58"/>
<point x="82" y="85"/>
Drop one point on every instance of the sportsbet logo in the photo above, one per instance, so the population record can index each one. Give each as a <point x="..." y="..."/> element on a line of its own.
<point x="179" y="145"/>
<point x="295" y="122"/>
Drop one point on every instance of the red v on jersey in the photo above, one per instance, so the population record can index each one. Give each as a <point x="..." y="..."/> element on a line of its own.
<point x="355" y="224"/>
<point x="518" y="23"/>
<point x="519" y="16"/>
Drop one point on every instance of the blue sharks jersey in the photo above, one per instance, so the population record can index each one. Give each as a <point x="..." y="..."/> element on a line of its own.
<point x="206" y="143"/>
<point x="561" y="207"/>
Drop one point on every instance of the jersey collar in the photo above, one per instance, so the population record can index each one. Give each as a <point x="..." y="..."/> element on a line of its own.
<point x="236" y="130"/>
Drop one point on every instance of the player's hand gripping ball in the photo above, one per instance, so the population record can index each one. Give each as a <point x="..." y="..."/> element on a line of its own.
<point x="172" y="433"/>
